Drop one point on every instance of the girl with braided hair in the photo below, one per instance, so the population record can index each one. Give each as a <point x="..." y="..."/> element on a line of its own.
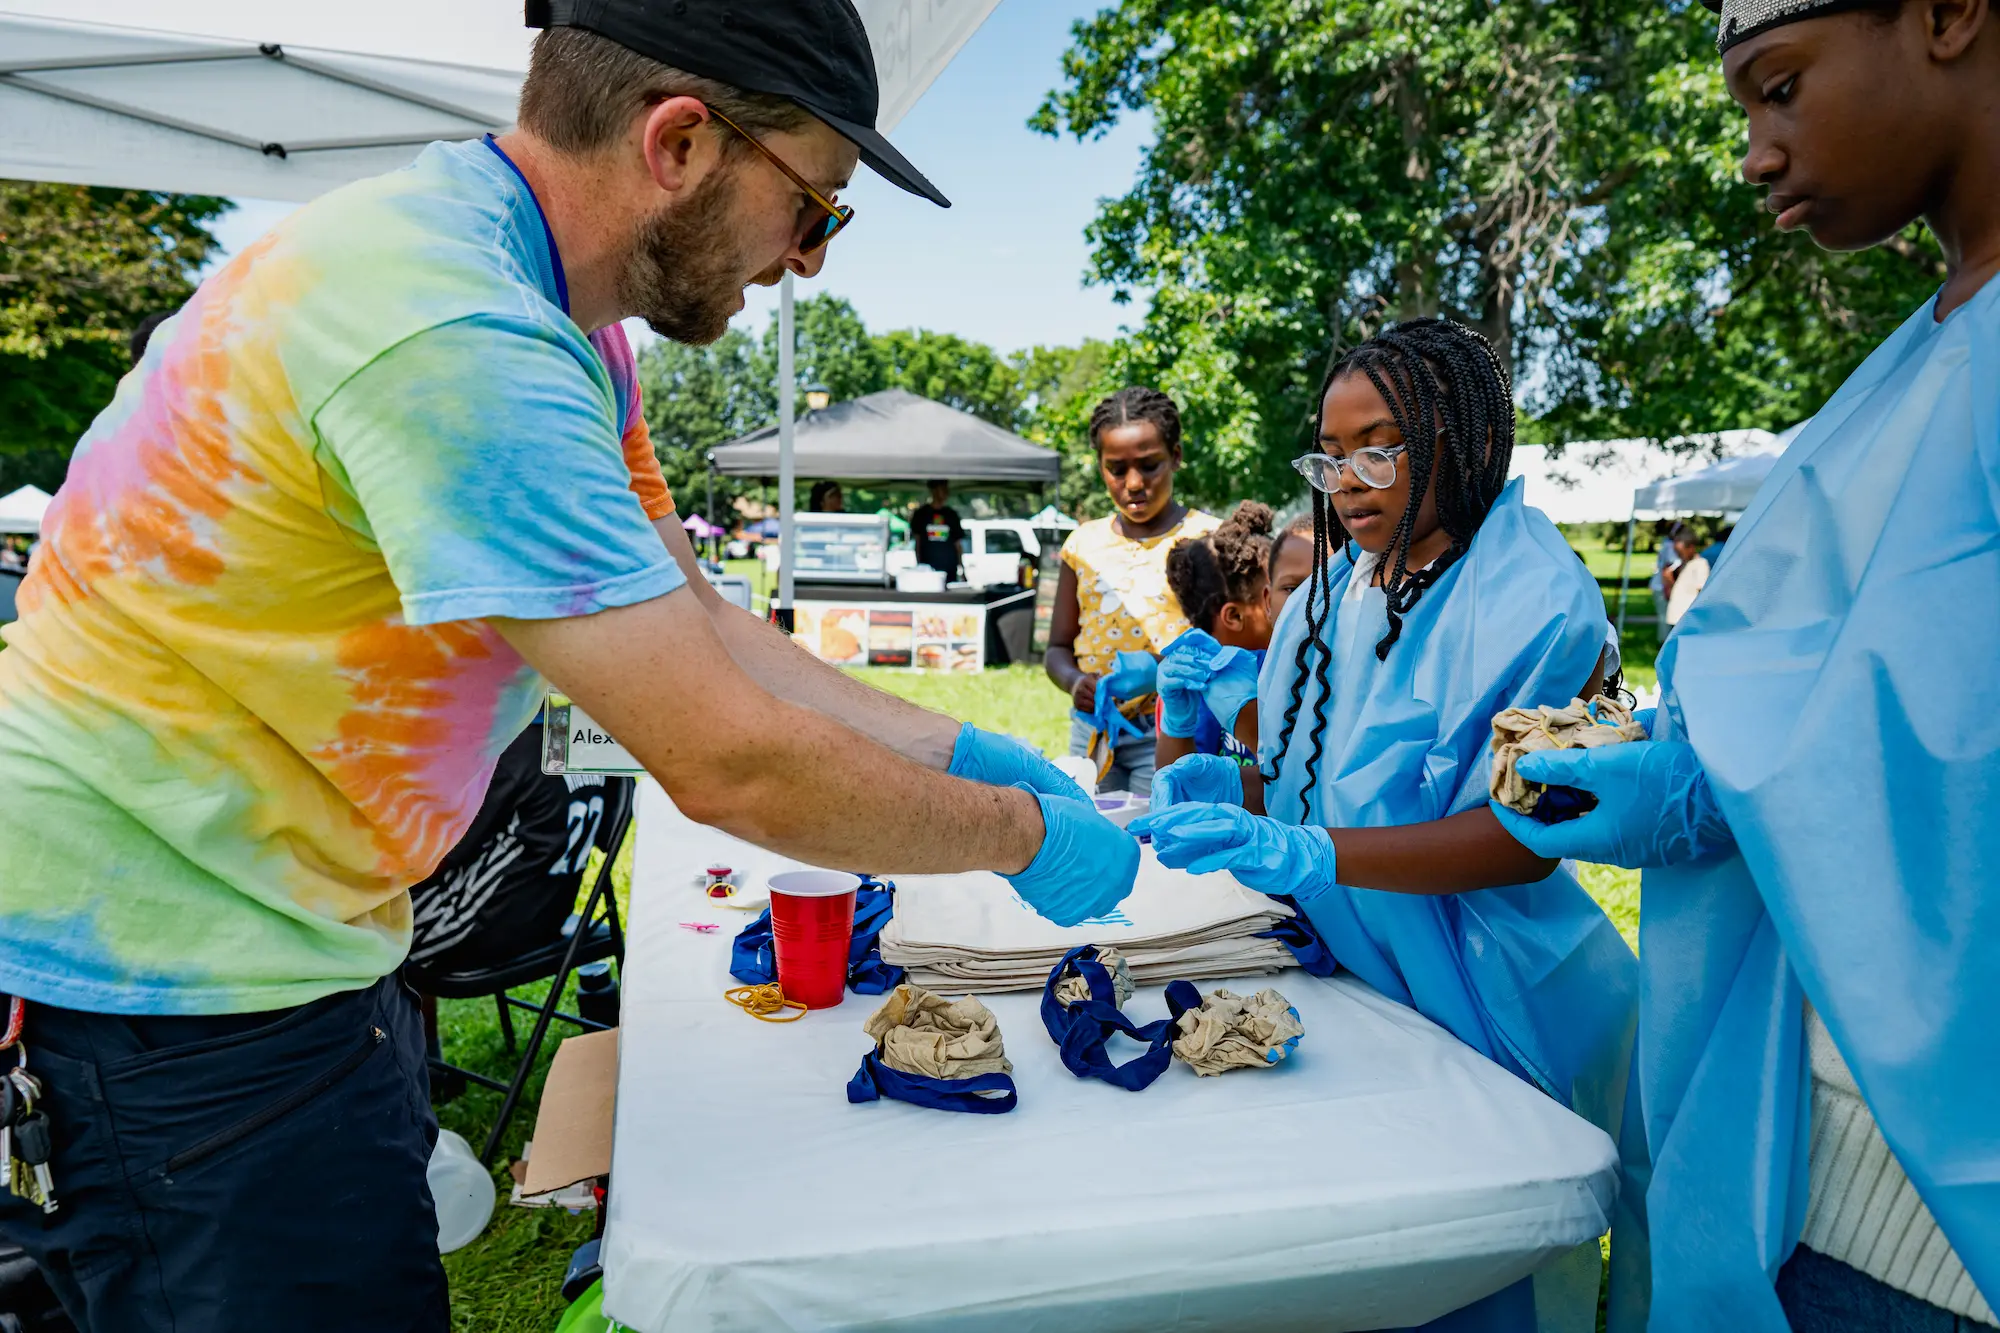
<point x="1114" y="611"/>
<point x="1437" y="600"/>
<point x="1221" y="582"/>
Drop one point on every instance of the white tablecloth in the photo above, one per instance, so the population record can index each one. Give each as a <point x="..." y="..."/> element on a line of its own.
<point x="1383" y="1176"/>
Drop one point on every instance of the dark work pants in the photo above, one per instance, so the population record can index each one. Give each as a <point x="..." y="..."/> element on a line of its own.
<point x="1822" y="1295"/>
<point x="241" y="1174"/>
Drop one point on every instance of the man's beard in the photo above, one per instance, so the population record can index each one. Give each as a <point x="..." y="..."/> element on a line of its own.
<point x="683" y="277"/>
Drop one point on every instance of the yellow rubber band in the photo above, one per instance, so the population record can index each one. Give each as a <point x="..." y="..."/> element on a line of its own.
<point x="765" y="1003"/>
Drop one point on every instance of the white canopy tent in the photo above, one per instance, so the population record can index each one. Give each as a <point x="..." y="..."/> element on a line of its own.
<point x="21" y="511"/>
<point x="1726" y="488"/>
<point x="240" y="97"/>
<point x="1591" y="481"/>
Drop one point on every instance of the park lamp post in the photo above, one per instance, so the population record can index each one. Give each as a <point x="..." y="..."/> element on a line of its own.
<point x="818" y="396"/>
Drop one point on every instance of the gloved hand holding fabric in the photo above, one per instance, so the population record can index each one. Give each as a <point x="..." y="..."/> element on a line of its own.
<point x="1086" y="867"/>
<point x="1212" y="779"/>
<point x="1266" y="854"/>
<point x="1133" y="674"/>
<point x="1197" y="672"/>
<point x="1133" y="677"/>
<point x="1002" y="761"/>
<point x="1654" y="806"/>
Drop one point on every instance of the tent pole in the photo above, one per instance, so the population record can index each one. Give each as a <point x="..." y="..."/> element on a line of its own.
<point x="714" y="554"/>
<point x="1625" y="566"/>
<point x="787" y="466"/>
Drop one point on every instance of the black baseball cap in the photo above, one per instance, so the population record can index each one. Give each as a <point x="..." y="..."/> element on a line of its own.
<point x="812" y="52"/>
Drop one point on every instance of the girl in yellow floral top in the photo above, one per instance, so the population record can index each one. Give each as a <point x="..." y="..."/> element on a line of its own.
<point x="1112" y="595"/>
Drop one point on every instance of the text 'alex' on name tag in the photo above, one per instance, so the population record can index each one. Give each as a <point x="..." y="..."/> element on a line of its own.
<point x="572" y="743"/>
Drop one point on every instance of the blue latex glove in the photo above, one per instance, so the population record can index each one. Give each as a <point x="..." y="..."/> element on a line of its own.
<point x="1002" y="761"/>
<point x="1267" y="854"/>
<point x="1196" y="671"/>
<point x="1085" y="868"/>
<point x="1132" y="675"/>
<point x="1207" y="779"/>
<point x="1654" y="806"/>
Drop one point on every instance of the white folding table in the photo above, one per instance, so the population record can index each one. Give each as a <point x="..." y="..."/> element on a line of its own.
<point x="1383" y="1176"/>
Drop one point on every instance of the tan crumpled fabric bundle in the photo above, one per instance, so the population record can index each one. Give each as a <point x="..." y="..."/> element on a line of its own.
<point x="1073" y="987"/>
<point x="1520" y="731"/>
<point x="921" y="1033"/>
<point x="1232" y="1032"/>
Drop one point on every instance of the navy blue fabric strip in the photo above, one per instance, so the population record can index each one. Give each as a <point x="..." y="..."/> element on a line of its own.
<point x="752" y="962"/>
<point x="1299" y="935"/>
<point x="555" y="255"/>
<point x="1082" y="1030"/>
<point x="876" y="1080"/>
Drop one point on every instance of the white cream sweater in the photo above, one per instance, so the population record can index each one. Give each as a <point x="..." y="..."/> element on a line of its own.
<point x="1863" y="1210"/>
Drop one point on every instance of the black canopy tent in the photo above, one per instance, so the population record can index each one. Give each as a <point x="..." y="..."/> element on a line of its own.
<point x="894" y="436"/>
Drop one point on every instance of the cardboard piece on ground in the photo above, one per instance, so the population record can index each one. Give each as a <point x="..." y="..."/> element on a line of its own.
<point x="573" y="1126"/>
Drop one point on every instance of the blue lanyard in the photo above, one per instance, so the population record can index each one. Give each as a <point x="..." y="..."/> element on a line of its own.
<point x="555" y="255"/>
<point x="1081" y="1030"/>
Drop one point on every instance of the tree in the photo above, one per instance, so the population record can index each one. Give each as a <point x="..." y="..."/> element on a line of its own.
<point x="699" y="397"/>
<point x="696" y="398"/>
<point x="1691" y="311"/>
<point x="79" y="268"/>
<point x="955" y="371"/>
<point x="1060" y="386"/>
<point x="1555" y="173"/>
<point x="833" y="349"/>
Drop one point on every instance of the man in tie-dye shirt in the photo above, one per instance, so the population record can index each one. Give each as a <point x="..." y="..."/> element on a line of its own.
<point x="382" y="480"/>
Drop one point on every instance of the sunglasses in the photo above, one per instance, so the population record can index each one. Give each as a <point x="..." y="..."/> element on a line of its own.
<point x="1375" y="466"/>
<point x="834" y="217"/>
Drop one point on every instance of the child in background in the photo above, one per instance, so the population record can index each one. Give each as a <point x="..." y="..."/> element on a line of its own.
<point x="1113" y="610"/>
<point x="1290" y="564"/>
<point x="1223" y="586"/>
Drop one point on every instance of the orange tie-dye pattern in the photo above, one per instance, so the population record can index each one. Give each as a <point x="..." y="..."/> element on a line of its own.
<point x="407" y="729"/>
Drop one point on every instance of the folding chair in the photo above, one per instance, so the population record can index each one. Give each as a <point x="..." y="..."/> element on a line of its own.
<point x="587" y="937"/>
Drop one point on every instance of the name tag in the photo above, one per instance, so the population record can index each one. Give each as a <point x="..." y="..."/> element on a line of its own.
<point x="572" y="743"/>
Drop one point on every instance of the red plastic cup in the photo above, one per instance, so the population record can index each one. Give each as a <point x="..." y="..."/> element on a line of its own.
<point x="812" y="920"/>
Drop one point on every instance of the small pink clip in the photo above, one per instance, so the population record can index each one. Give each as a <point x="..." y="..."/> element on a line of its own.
<point x="701" y="927"/>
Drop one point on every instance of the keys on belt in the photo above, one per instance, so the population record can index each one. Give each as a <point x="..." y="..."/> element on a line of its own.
<point x="25" y="1144"/>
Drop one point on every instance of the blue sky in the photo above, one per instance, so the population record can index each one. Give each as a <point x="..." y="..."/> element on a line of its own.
<point x="1005" y="264"/>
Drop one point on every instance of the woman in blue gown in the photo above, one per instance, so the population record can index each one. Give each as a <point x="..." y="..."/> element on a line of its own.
<point x="1447" y="601"/>
<point x="1816" y="1094"/>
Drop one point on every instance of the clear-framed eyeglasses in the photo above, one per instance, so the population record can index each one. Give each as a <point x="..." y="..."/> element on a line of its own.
<point x="1375" y="466"/>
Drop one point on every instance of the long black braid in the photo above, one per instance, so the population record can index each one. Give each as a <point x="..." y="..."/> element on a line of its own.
<point x="1442" y="382"/>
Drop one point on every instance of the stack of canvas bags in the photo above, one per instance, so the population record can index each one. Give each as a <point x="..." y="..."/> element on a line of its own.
<point x="970" y="933"/>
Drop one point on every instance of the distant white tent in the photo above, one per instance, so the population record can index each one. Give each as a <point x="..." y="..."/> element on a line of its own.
<point x="1726" y="488"/>
<point x="1052" y="517"/>
<point x="1592" y="481"/>
<point x="22" y="510"/>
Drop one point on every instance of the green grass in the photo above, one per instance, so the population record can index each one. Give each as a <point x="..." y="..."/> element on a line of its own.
<point x="761" y="578"/>
<point x="1640" y="645"/>
<point x="1017" y="700"/>
<point x="508" y="1280"/>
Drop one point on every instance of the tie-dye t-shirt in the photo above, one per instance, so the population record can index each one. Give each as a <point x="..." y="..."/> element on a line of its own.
<point x="253" y="695"/>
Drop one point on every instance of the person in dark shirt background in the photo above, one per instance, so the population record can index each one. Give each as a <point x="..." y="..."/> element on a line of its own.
<point x="939" y="533"/>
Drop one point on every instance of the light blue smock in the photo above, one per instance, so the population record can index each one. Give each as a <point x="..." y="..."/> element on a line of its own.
<point x="1834" y="676"/>
<point x="1533" y="976"/>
